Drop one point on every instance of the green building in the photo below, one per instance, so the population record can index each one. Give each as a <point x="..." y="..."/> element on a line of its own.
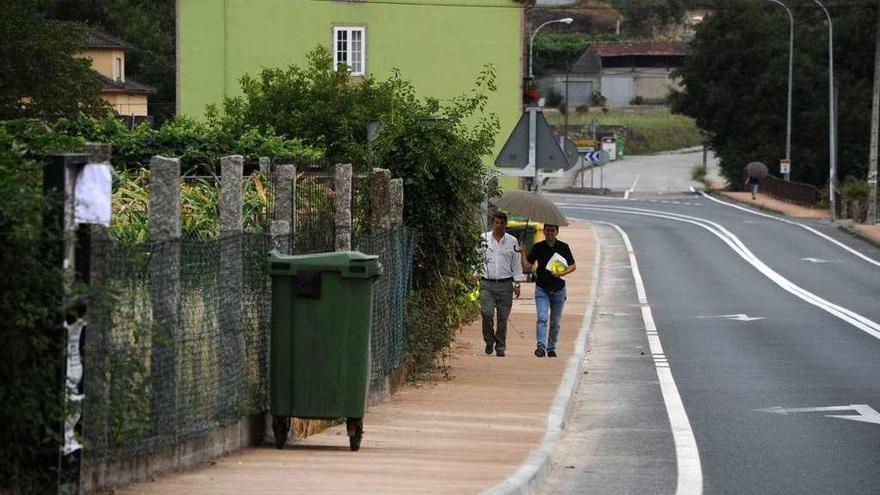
<point x="439" y="45"/>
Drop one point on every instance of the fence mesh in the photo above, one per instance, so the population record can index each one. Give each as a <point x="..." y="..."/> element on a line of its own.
<point x="179" y="344"/>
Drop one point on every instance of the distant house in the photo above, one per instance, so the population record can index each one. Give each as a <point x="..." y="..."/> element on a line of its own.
<point x="624" y="73"/>
<point x="128" y="98"/>
<point x="439" y="46"/>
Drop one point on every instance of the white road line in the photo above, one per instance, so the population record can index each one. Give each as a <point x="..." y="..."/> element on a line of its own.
<point x="687" y="455"/>
<point x="806" y="227"/>
<point x="632" y="187"/>
<point x="863" y="323"/>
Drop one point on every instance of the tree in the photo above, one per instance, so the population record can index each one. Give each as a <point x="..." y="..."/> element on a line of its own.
<point x="39" y="74"/>
<point x="738" y="96"/>
<point x="148" y="27"/>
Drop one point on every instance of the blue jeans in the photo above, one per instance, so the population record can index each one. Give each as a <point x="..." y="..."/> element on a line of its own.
<point x="552" y="302"/>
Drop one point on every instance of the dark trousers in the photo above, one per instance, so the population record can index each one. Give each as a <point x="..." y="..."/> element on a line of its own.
<point x="496" y="299"/>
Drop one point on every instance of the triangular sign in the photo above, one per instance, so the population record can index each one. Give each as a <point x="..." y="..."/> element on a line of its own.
<point x="515" y="154"/>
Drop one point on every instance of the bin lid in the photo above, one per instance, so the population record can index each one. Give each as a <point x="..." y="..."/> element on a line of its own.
<point x="354" y="264"/>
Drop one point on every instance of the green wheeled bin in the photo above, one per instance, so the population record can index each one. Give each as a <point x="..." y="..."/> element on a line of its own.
<point x="319" y="357"/>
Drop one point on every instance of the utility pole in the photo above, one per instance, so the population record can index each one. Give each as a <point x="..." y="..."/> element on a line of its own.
<point x="875" y="110"/>
<point x="832" y="118"/>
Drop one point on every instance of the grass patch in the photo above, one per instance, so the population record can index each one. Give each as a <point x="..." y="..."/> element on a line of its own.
<point x="650" y="132"/>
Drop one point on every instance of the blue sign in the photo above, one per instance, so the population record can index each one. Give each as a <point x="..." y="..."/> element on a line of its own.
<point x="600" y="157"/>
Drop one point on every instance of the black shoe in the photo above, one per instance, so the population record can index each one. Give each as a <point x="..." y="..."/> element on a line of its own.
<point x="488" y="349"/>
<point x="539" y="352"/>
<point x="551" y="353"/>
<point x="499" y="353"/>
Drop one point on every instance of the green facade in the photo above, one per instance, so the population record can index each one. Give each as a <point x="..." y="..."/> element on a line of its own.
<point x="439" y="45"/>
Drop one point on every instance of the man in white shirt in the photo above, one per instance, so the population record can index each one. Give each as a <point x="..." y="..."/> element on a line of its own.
<point x="501" y="264"/>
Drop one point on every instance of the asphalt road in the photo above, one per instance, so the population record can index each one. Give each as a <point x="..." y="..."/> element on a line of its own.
<point x="649" y="175"/>
<point x="762" y="322"/>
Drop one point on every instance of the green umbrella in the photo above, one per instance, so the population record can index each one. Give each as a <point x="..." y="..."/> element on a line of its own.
<point x="531" y="205"/>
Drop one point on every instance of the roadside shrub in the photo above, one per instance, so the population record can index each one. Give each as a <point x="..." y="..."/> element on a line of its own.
<point x="698" y="174"/>
<point x="599" y="99"/>
<point x="30" y="395"/>
<point x="854" y="189"/>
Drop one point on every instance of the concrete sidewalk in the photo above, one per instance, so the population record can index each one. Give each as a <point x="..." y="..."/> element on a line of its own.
<point x="869" y="232"/>
<point x="485" y="427"/>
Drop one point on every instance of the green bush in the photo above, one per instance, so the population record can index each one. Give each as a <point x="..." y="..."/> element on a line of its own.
<point x="698" y="173"/>
<point x="854" y="189"/>
<point x="30" y="394"/>
<point x="436" y="147"/>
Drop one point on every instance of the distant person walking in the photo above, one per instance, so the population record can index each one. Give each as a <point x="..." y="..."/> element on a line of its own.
<point x="502" y="261"/>
<point x="555" y="261"/>
<point x="754" y="172"/>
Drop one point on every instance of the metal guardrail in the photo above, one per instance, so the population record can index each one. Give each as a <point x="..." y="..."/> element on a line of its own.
<point x="794" y="192"/>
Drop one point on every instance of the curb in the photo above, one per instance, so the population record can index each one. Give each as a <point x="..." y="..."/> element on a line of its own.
<point x="754" y="206"/>
<point x="532" y="473"/>
<point x="858" y="235"/>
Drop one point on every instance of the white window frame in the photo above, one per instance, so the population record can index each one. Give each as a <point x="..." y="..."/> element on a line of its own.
<point x="118" y="69"/>
<point x="348" y="49"/>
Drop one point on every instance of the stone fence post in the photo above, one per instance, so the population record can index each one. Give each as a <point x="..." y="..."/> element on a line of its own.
<point x="342" y="198"/>
<point x="380" y="194"/>
<point x="281" y="227"/>
<point x="231" y="274"/>
<point x="165" y="291"/>
<point x="396" y="198"/>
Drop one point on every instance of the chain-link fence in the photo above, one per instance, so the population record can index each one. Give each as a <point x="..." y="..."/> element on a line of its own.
<point x="388" y="342"/>
<point x="179" y="343"/>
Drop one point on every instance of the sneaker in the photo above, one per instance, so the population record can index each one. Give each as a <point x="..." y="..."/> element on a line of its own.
<point x="551" y="353"/>
<point x="499" y="353"/>
<point x="539" y="352"/>
<point x="488" y="349"/>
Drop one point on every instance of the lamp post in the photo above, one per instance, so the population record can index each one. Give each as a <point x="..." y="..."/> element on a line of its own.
<point x="533" y="107"/>
<point x="564" y="20"/>
<point x="787" y="175"/>
<point x="832" y="138"/>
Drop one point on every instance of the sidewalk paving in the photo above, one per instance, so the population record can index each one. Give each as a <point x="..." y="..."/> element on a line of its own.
<point x="463" y="435"/>
<point x="869" y="232"/>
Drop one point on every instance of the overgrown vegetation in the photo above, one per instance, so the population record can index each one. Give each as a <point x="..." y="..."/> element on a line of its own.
<point x="30" y="394"/>
<point x="557" y="52"/>
<point x="698" y="174"/>
<point x="646" y="132"/>
<point x="435" y="147"/>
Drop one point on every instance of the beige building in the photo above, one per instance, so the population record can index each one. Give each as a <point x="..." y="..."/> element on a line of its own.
<point x="128" y="98"/>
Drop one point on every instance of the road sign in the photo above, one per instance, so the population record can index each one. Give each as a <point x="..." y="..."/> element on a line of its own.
<point x="539" y="141"/>
<point x="598" y="157"/>
<point x="785" y="166"/>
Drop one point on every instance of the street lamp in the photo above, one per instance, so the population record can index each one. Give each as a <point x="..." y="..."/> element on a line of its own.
<point x="564" y="20"/>
<point x="832" y="138"/>
<point x="790" y="54"/>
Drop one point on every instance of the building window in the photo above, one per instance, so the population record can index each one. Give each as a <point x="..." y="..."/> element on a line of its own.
<point x="350" y="48"/>
<point x="118" y="73"/>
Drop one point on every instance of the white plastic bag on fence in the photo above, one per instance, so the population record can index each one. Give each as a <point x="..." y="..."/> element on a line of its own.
<point x="93" y="193"/>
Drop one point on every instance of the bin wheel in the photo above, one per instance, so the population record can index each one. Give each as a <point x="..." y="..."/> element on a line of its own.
<point x="280" y="427"/>
<point x="355" y="427"/>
